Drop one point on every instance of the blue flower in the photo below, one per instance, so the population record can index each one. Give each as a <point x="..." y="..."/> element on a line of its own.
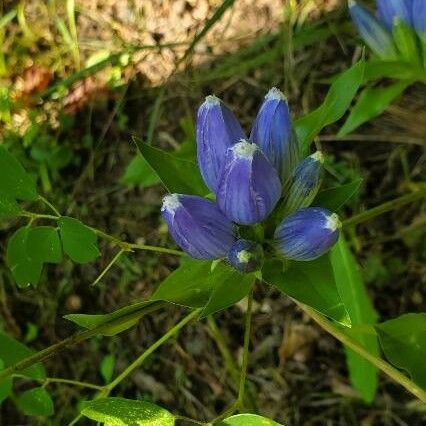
<point x="305" y="183"/>
<point x="419" y="18"/>
<point x="249" y="187"/>
<point x="273" y="132"/>
<point x="388" y="10"/>
<point x="198" y="226"/>
<point x="217" y="130"/>
<point x="246" y="256"/>
<point x="371" y="30"/>
<point x="307" y="234"/>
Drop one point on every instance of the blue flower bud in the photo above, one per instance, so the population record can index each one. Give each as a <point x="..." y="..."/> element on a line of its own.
<point x="419" y="17"/>
<point x="198" y="226"/>
<point x="249" y="187"/>
<point x="307" y="234"/>
<point x="373" y="33"/>
<point x="305" y="183"/>
<point x="273" y="132"/>
<point x="391" y="9"/>
<point x="217" y="130"/>
<point x="246" y="256"/>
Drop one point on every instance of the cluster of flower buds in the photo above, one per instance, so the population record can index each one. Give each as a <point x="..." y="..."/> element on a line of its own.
<point x="392" y="31"/>
<point x="250" y="178"/>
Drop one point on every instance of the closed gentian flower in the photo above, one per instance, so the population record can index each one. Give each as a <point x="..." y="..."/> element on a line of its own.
<point x="273" y="132"/>
<point x="198" y="226"/>
<point x="391" y="9"/>
<point x="305" y="183"/>
<point x="372" y="31"/>
<point x="217" y="130"/>
<point x="307" y="234"/>
<point x="249" y="187"/>
<point x="419" y="18"/>
<point x="246" y="256"/>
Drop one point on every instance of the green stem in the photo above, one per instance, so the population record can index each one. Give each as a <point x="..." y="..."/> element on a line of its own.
<point x="244" y="364"/>
<point x="108" y="267"/>
<point x="50" y="205"/>
<point x="78" y="338"/>
<point x="139" y="361"/>
<point x="382" y="365"/>
<point x="218" y="338"/>
<point x="385" y="207"/>
<point x="49" y="380"/>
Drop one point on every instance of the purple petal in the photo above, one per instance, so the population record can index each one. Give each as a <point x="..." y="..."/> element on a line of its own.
<point x="246" y="256"/>
<point x="307" y="234"/>
<point x="198" y="226"/>
<point x="249" y="187"/>
<point x="217" y="130"/>
<point x="273" y="132"/>
<point x="373" y="33"/>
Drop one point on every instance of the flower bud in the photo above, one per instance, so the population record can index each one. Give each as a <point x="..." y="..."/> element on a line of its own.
<point x="305" y="183"/>
<point x="273" y="132"/>
<point x="373" y="33"/>
<point x="249" y="187"/>
<point x="246" y="256"/>
<point x="217" y="130"/>
<point x="391" y="9"/>
<point x="198" y="226"/>
<point x="419" y="17"/>
<point x="307" y="234"/>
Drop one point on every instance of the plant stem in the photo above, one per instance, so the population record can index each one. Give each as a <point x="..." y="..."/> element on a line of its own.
<point x="385" y="207"/>
<point x="381" y="364"/>
<point x="244" y="364"/>
<point x="139" y="361"/>
<point x="218" y="338"/>
<point x="49" y="380"/>
<point x="108" y="267"/>
<point x="50" y="205"/>
<point x="78" y="338"/>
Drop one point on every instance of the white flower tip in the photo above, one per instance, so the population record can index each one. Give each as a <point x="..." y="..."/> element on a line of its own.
<point x="244" y="256"/>
<point x="351" y="3"/>
<point x="211" y="100"/>
<point x="244" y="149"/>
<point x="318" y="156"/>
<point x="333" y="222"/>
<point x="276" y="95"/>
<point x="171" y="203"/>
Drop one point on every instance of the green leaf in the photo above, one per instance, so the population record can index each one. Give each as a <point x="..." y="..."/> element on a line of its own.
<point x="229" y="287"/>
<point x="15" y="182"/>
<point x="178" y="175"/>
<point x="338" y="99"/>
<point x="403" y="341"/>
<point x="335" y="198"/>
<point x="12" y="351"/>
<point x="139" y="172"/>
<point x="107" y="367"/>
<point x="5" y="384"/>
<point x="35" y="402"/>
<point x="371" y="103"/>
<point x="248" y="420"/>
<point x="126" y="412"/>
<point x="311" y="283"/>
<point x="189" y="285"/>
<point x="28" y="249"/>
<point x="398" y="70"/>
<point x="78" y="240"/>
<point x="406" y="41"/>
<point x="8" y="206"/>
<point x="349" y="282"/>
<point x="91" y="321"/>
